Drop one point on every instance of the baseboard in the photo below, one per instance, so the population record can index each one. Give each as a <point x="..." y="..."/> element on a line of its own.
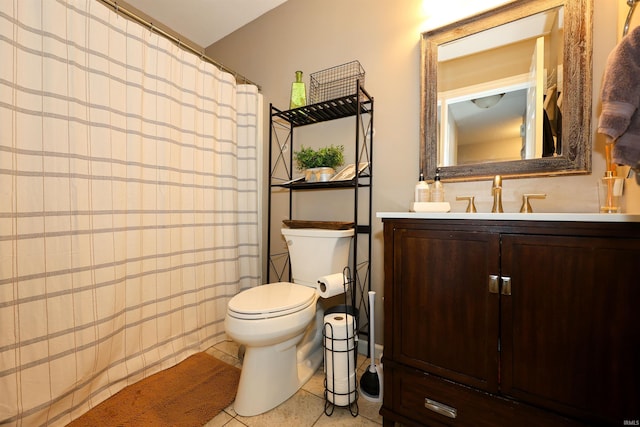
<point x="363" y="348"/>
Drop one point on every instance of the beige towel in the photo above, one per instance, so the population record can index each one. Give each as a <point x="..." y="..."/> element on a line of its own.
<point x="620" y="118"/>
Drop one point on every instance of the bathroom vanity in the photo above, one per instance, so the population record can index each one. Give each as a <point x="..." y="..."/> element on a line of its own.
<point x="511" y="319"/>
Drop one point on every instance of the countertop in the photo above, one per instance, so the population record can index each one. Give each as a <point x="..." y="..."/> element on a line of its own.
<point x="573" y="217"/>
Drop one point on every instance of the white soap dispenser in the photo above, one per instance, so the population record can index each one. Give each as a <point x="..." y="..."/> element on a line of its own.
<point x="422" y="190"/>
<point x="437" y="192"/>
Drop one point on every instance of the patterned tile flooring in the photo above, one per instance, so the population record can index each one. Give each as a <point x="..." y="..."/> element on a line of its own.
<point x="303" y="409"/>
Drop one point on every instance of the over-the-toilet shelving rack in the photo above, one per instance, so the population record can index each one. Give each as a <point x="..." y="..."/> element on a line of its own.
<point x="282" y="125"/>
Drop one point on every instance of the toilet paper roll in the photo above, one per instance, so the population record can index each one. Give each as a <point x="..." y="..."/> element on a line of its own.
<point x="341" y="392"/>
<point x="340" y="366"/>
<point x="331" y="285"/>
<point x="339" y="332"/>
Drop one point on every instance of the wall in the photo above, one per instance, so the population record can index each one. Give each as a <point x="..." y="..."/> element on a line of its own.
<point x="623" y="12"/>
<point x="506" y="61"/>
<point x="312" y="35"/>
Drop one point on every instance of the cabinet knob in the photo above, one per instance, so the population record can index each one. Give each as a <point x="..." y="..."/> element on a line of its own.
<point x="494" y="284"/>
<point x="506" y="286"/>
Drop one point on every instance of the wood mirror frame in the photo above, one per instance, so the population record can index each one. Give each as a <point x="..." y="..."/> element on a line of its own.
<point x="577" y="93"/>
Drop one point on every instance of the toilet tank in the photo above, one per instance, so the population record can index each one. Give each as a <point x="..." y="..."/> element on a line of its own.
<point x="314" y="252"/>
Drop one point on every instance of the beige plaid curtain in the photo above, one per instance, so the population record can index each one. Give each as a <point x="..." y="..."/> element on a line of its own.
<point x="128" y="205"/>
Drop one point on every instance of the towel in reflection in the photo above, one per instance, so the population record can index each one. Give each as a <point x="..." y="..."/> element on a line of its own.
<point x="620" y="118"/>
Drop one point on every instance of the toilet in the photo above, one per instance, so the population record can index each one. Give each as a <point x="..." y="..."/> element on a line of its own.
<point x="280" y="324"/>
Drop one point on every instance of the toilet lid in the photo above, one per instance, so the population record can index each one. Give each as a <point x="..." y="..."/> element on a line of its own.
<point x="272" y="300"/>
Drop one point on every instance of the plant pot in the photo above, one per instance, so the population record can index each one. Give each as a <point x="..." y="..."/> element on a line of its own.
<point x="324" y="174"/>
<point x="310" y="175"/>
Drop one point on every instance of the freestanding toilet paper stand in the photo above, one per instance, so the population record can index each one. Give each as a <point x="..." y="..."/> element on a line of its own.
<point x="340" y="353"/>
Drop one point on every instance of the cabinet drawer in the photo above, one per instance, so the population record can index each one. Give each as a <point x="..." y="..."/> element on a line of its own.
<point x="430" y="400"/>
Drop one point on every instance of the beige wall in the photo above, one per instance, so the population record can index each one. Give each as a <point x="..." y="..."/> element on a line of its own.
<point x="623" y="12"/>
<point x="505" y="61"/>
<point x="312" y="35"/>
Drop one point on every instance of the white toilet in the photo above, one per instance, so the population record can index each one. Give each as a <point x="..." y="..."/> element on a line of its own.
<point x="275" y="322"/>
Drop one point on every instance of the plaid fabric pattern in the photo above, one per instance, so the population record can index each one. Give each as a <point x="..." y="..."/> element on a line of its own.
<point x="128" y="205"/>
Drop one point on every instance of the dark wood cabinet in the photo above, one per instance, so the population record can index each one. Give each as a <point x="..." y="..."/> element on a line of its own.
<point x="511" y="322"/>
<point x="454" y="307"/>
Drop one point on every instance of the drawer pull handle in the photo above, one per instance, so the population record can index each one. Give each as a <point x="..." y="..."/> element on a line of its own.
<point x="440" y="408"/>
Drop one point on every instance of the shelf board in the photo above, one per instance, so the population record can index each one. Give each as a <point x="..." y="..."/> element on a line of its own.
<point x="302" y="185"/>
<point x="338" y="108"/>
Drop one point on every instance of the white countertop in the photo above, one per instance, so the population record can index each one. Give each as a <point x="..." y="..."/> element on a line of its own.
<point x="575" y="217"/>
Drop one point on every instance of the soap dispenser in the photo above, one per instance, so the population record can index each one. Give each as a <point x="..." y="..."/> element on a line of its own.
<point x="437" y="192"/>
<point x="422" y="190"/>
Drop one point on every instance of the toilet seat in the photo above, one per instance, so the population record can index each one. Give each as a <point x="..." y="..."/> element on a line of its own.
<point x="272" y="300"/>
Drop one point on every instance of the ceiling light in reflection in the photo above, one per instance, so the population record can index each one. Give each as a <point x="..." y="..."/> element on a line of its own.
<point x="488" y="101"/>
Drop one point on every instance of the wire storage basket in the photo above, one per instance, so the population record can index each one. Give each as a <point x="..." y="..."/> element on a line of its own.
<point x="335" y="82"/>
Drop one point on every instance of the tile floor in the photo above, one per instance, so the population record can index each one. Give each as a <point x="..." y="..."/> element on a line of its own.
<point x="303" y="409"/>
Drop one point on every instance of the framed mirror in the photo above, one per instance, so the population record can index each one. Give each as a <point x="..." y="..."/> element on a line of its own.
<point x="508" y="92"/>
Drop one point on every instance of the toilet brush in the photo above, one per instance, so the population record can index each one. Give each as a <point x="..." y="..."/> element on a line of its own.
<point x="371" y="380"/>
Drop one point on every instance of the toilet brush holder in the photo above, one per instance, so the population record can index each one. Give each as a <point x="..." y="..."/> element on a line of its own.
<point x="371" y="380"/>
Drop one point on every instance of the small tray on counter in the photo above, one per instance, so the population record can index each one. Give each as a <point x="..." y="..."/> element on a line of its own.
<point x="430" y="207"/>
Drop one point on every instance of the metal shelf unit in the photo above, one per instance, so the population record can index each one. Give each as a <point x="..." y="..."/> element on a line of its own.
<point x="282" y="125"/>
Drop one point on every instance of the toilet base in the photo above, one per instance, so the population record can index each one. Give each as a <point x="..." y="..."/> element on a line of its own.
<point x="265" y="366"/>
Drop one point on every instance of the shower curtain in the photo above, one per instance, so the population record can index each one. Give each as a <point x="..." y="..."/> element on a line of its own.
<point x="128" y="205"/>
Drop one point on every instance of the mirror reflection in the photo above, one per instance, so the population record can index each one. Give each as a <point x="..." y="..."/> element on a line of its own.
<point x="499" y="92"/>
<point x="495" y="98"/>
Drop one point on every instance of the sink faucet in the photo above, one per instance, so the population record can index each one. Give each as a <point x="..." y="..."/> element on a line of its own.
<point x="496" y="192"/>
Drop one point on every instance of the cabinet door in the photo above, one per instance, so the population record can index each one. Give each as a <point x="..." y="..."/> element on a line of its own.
<point x="570" y="335"/>
<point x="445" y="320"/>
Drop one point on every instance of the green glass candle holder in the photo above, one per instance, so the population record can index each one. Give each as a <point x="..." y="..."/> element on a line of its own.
<point x="298" y="92"/>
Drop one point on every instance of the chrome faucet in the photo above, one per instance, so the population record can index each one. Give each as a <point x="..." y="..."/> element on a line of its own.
<point x="496" y="192"/>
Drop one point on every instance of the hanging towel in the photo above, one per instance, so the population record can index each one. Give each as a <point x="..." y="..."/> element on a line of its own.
<point x="620" y="118"/>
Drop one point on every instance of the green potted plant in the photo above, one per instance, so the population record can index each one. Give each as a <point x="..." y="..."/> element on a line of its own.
<point x="319" y="165"/>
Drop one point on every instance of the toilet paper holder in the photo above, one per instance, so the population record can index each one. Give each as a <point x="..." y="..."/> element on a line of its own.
<point x="340" y="342"/>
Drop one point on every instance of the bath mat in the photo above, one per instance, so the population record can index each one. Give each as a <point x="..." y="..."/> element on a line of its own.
<point x="188" y="394"/>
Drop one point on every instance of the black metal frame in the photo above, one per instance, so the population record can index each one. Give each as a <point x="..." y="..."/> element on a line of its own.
<point x="282" y="124"/>
<point x="351" y="343"/>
